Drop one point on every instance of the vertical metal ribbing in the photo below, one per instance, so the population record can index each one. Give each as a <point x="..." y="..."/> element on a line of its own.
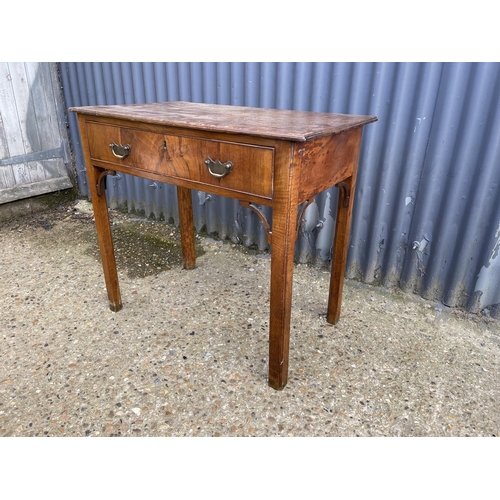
<point x="160" y="79"/>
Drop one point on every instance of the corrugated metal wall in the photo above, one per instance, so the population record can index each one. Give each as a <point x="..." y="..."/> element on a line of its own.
<point x="427" y="210"/>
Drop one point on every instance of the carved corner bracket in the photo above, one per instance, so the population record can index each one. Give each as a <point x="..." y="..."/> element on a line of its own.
<point x="262" y="217"/>
<point x="344" y="189"/>
<point x="301" y="214"/>
<point x="101" y="184"/>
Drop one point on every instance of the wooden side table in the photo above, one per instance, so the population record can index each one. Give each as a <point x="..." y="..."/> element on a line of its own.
<point x="270" y="157"/>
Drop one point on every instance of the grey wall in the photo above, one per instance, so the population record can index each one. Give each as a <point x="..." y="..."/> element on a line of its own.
<point x="427" y="210"/>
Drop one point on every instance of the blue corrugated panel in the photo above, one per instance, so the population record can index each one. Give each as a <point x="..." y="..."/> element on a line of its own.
<point x="427" y="211"/>
<point x="457" y="215"/>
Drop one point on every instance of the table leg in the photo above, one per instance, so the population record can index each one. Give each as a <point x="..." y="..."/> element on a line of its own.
<point x="186" y="226"/>
<point x="282" y="258"/>
<point x="104" y="237"/>
<point x="341" y="246"/>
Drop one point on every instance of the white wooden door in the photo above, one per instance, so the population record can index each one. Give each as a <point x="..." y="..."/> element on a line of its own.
<point x="34" y="153"/>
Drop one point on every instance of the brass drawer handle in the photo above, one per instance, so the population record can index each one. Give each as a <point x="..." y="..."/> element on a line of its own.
<point x="120" y="151"/>
<point x="217" y="168"/>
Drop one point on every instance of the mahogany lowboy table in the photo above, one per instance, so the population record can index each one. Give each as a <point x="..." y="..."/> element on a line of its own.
<point x="271" y="157"/>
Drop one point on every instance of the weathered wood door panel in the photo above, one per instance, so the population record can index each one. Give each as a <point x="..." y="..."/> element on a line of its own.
<point x="34" y="154"/>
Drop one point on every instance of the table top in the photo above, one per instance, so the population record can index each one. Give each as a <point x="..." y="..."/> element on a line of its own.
<point x="262" y="122"/>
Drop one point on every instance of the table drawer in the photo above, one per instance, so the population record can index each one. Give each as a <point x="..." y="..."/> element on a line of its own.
<point x="145" y="146"/>
<point x="184" y="157"/>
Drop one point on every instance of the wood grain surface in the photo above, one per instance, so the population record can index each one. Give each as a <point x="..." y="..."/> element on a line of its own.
<point x="275" y="123"/>
<point x="280" y="158"/>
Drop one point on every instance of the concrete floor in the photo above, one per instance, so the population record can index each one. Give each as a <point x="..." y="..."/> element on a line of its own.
<point x="187" y="354"/>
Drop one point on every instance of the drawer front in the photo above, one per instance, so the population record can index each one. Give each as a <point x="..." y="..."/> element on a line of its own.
<point x="145" y="147"/>
<point x="184" y="157"/>
<point x="252" y="170"/>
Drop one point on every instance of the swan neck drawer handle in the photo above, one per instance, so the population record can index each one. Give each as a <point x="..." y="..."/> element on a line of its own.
<point x="120" y="151"/>
<point x="217" y="168"/>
